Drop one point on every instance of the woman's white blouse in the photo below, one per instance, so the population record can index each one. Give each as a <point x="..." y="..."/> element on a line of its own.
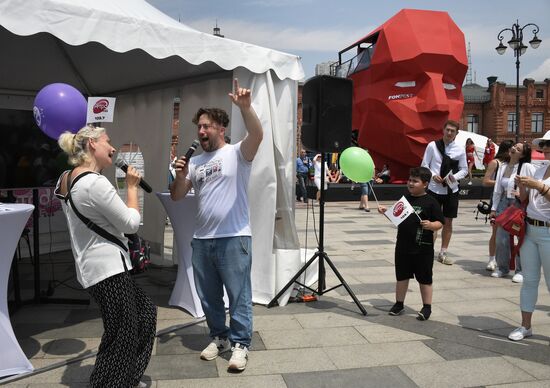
<point x="97" y="258"/>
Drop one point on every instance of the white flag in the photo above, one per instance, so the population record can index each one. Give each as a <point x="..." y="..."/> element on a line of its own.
<point x="399" y="211"/>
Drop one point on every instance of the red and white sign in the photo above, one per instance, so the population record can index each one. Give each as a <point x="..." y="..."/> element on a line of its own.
<point x="100" y="109"/>
<point x="399" y="211"/>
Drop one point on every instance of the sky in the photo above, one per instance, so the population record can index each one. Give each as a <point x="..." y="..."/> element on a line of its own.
<point x="317" y="30"/>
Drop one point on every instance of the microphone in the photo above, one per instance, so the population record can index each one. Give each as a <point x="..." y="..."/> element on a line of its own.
<point x="124" y="167"/>
<point x="189" y="152"/>
<point x="191" y="149"/>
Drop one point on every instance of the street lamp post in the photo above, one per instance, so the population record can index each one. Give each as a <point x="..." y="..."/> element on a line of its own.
<point x="516" y="44"/>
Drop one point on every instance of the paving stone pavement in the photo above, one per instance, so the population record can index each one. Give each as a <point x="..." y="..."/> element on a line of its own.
<point x="328" y="343"/>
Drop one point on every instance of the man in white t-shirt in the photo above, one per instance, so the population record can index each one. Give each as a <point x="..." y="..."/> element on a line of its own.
<point x="222" y="240"/>
<point x="447" y="162"/>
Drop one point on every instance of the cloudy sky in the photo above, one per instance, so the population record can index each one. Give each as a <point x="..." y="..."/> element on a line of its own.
<point x="317" y="29"/>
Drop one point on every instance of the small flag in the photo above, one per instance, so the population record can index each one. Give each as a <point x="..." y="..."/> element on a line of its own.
<point x="399" y="211"/>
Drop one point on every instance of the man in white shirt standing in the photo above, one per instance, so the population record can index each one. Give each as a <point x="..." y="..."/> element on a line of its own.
<point x="447" y="162"/>
<point x="222" y="240"/>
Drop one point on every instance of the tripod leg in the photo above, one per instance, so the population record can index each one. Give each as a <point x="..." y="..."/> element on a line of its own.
<point x="348" y="289"/>
<point x="275" y="300"/>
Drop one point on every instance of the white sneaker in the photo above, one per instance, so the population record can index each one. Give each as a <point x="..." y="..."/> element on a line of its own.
<point x="239" y="358"/>
<point x="214" y="348"/>
<point x="444" y="259"/>
<point x="491" y="265"/>
<point x="498" y="274"/>
<point x="517" y="278"/>
<point x="520" y="333"/>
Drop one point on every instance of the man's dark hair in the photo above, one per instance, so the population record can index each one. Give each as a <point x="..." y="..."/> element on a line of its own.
<point x="421" y="172"/>
<point x="452" y="123"/>
<point x="215" y="114"/>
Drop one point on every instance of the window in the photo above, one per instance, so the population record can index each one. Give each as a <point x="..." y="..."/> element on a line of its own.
<point x="539" y="93"/>
<point x="512" y="122"/>
<point x="537" y="120"/>
<point x="472" y="123"/>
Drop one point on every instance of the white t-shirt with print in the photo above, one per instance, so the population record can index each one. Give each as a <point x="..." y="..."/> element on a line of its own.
<point x="220" y="179"/>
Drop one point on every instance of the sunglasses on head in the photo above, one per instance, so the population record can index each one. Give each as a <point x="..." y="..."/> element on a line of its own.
<point x="544" y="143"/>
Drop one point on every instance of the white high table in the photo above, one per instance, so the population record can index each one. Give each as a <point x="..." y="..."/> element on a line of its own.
<point x="182" y="216"/>
<point x="13" y="218"/>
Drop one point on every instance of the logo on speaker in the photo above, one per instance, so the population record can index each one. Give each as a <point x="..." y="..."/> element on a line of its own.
<point x="398" y="209"/>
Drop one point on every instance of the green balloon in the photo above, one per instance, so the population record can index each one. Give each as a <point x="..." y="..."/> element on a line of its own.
<point x="357" y="164"/>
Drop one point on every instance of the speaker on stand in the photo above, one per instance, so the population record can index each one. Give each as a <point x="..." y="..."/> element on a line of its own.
<point x="326" y="127"/>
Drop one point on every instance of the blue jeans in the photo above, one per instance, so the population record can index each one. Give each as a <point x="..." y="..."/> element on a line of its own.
<point x="502" y="254"/>
<point x="219" y="262"/>
<point x="535" y="252"/>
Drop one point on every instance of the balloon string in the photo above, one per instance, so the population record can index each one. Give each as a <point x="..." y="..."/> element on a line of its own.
<point x="373" y="193"/>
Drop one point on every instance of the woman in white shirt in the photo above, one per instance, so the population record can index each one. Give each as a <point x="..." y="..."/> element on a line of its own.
<point x="535" y="250"/>
<point x="129" y="315"/>
<point x="505" y="194"/>
<point x="503" y="155"/>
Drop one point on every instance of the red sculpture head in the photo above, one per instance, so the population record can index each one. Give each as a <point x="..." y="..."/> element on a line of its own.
<point x="407" y="82"/>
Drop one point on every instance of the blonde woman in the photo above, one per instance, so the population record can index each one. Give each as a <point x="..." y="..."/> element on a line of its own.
<point x="128" y="314"/>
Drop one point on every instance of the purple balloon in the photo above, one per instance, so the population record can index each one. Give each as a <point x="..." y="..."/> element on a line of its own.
<point x="58" y="108"/>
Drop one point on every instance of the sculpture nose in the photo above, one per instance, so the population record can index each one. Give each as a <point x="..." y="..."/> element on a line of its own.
<point x="432" y="97"/>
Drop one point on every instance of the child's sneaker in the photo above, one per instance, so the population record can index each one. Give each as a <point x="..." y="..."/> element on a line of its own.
<point x="424" y="314"/>
<point x="396" y="309"/>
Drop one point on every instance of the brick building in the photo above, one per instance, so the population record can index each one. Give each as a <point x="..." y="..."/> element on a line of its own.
<point x="491" y="111"/>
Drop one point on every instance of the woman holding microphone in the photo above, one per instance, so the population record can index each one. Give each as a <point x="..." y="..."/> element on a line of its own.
<point x="535" y="251"/>
<point x="128" y="314"/>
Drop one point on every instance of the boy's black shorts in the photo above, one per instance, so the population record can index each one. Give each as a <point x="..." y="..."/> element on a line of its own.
<point x="411" y="265"/>
<point x="448" y="202"/>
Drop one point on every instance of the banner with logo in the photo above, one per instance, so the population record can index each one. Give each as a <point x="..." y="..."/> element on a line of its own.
<point x="100" y="109"/>
<point x="399" y="211"/>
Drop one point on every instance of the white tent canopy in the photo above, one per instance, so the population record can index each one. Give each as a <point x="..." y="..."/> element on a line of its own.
<point x="130" y="50"/>
<point x="70" y="32"/>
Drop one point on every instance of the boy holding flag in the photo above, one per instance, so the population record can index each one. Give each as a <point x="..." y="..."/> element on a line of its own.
<point x="414" y="249"/>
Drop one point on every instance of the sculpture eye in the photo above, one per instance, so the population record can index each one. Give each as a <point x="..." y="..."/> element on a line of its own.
<point x="406" y="84"/>
<point x="449" y="86"/>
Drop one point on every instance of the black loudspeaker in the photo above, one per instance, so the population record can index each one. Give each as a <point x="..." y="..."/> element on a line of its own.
<point x="326" y="113"/>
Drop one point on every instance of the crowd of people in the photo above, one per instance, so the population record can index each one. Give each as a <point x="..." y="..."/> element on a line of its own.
<point x="221" y="255"/>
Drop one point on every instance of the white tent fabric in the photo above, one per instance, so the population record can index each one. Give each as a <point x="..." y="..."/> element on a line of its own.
<point x="479" y="141"/>
<point x="130" y="50"/>
<point x="125" y="25"/>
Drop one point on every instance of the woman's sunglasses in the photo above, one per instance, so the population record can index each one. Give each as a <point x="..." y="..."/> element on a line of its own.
<point x="544" y="143"/>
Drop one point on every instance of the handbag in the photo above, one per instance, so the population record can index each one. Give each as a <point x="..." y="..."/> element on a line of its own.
<point x="512" y="220"/>
<point x="138" y="249"/>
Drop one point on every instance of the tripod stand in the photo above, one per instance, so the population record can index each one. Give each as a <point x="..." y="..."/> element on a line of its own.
<point x="322" y="256"/>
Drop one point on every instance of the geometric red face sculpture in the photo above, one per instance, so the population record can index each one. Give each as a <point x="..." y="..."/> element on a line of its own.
<point x="407" y="76"/>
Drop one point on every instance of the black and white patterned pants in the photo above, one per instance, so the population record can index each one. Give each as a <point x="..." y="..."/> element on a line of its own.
<point x="130" y="320"/>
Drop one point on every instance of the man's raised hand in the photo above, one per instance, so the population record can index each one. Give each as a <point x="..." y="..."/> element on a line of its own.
<point x="240" y="96"/>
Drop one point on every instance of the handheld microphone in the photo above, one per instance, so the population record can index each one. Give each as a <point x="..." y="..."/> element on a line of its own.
<point x="191" y="149"/>
<point x="124" y="167"/>
<point x="189" y="152"/>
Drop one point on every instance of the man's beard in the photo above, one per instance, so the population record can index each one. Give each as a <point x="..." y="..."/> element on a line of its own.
<point x="208" y="146"/>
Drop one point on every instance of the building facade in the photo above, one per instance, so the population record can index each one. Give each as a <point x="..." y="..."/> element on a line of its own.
<point x="491" y="111"/>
